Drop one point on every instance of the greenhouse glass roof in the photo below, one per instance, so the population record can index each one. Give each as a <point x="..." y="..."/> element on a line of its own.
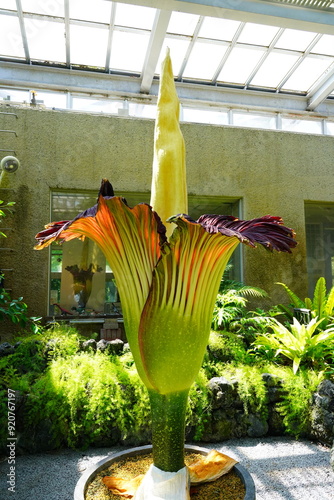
<point x="265" y="54"/>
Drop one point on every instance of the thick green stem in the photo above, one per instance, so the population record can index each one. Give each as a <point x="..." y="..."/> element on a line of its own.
<point x="168" y="426"/>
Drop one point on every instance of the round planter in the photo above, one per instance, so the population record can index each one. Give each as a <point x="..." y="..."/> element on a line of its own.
<point x="89" y="475"/>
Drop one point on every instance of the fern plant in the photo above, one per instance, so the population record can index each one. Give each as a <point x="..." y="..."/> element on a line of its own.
<point x="299" y="342"/>
<point x="231" y="302"/>
<point x="321" y="306"/>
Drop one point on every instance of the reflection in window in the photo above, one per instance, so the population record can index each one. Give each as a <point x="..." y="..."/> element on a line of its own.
<point x="81" y="281"/>
<point x="319" y="219"/>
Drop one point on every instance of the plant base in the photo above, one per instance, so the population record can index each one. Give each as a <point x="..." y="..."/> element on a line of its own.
<point x="89" y="475"/>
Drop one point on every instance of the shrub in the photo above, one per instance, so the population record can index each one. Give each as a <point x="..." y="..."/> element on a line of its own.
<point x="298" y="342"/>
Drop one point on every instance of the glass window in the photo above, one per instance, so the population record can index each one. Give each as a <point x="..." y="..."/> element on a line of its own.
<point x="81" y="281"/>
<point x="8" y="4"/>
<point x="218" y="29"/>
<point x="254" y="120"/>
<point x="88" y="45"/>
<point x="46" y="40"/>
<point x="96" y="105"/>
<point x="257" y="34"/>
<point x="50" y="8"/>
<point x="204" y="60"/>
<point x="274" y="68"/>
<point x="142" y="110"/>
<point x="295" y="40"/>
<point x="134" y="16"/>
<point x="307" y="72"/>
<point x="98" y="11"/>
<point x="319" y="220"/>
<point x="51" y="99"/>
<point x="182" y="23"/>
<point x="330" y="128"/>
<point x="240" y="64"/>
<point x="302" y="125"/>
<point x="178" y="49"/>
<point x="128" y="50"/>
<point x="14" y="95"/>
<point x="324" y="46"/>
<point x="11" y="44"/>
<point x="214" y="117"/>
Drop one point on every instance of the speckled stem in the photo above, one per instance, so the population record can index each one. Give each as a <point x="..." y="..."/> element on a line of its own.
<point x="168" y="427"/>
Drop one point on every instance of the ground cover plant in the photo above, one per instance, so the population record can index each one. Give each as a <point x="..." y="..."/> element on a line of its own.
<point x="94" y="398"/>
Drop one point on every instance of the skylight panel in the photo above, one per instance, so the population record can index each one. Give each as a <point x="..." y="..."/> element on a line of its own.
<point x="257" y="34"/>
<point x="183" y="24"/>
<point x="8" y="4"/>
<point x="307" y="73"/>
<point x="324" y="46"/>
<point x="218" y="29"/>
<point x="10" y="37"/>
<point x="134" y="16"/>
<point x="204" y="60"/>
<point x="274" y="68"/>
<point x="178" y="49"/>
<point x="295" y="40"/>
<point x="128" y="51"/>
<point x="86" y="10"/>
<point x="54" y="8"/>
<point x="46" y="40"/>
<point x="88" y="45"/>
<point x="240" y="64"/>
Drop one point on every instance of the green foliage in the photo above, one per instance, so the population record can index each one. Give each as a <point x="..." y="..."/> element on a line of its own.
<point x="87" y="395"/>
<point x="16" y="311"/>
<point x="199" y="409"/>
<point x="5" y="208"/>
<point x="228" y="347"/>
<point x="298" y="342"/>
<point x="296" y="398"/>
<point x="321" y="306"/>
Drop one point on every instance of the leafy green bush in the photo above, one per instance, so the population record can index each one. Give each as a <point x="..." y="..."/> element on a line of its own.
<point x="86" y="396"/>
<point x="299" y="342"/>
<point x="231" y="303"/>
<point x="321" y="306"/>
<point x="296" y="398"/>
<point x="228" y="347"/>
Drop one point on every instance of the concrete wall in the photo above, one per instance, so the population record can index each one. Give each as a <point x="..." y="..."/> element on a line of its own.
<point x="271" y="171"/>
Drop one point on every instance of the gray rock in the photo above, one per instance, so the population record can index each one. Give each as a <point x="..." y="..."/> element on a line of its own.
<point x="110" y="346"/>
<point x="89" y="345"/>
<point x="258" y="426"/>
<point x="322" y="413"/>
<point x="224" y="393"/>
<point x="5" y="349"/>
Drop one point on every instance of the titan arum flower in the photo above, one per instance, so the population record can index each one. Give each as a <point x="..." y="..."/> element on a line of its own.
<point x="167" y="285"/>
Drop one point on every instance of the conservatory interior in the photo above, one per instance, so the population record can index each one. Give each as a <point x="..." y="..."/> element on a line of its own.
<point x="255" y="82"/>
<point x="81" y="86"/>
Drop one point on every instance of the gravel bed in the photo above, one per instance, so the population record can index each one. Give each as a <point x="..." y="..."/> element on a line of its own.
<point x="282" y="468"/>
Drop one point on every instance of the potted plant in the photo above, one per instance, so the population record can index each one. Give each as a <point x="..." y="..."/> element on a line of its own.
<point x="168" y="281"/>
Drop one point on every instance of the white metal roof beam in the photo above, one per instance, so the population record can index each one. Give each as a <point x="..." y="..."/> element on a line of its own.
<point x="255" y="11"/>
<point x="158" y="33"/>
<point x="67" y="33"/>
<point x="321" y="89"/>
<point x="110" y="35"/>
<point x="23" y="31"/>
<point x="103" y="85"/>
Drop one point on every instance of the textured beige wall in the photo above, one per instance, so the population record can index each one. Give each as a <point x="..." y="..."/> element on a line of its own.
<point x="271" y="171"/>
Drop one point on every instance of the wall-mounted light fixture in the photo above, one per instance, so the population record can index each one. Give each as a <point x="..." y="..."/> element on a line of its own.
<point x="8" y="164"/>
